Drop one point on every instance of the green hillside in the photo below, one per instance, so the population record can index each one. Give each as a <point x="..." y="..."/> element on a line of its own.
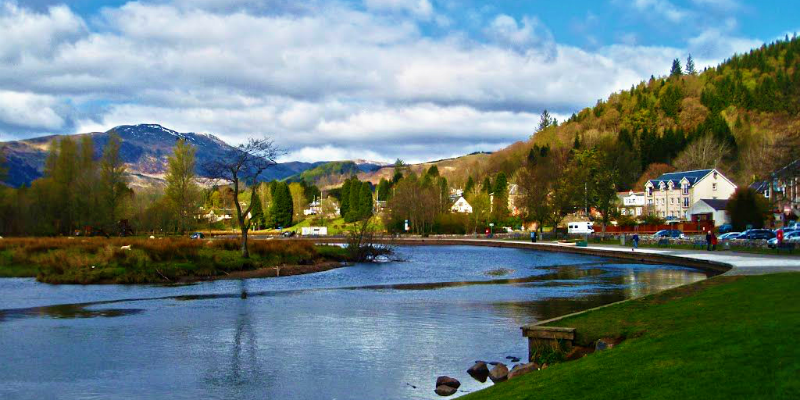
<point x="333" y="169"/>
<point x="741" y="117"/>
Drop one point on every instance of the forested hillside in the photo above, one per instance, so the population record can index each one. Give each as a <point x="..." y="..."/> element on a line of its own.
<point x="741" y="117"/>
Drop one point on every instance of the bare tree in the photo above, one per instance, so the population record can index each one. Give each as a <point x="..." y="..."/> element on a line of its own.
<point x="241" y="167"/>
<point x="705" y="152"/>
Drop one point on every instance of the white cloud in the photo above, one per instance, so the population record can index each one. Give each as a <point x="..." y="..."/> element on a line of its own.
<point x="356" y="81"/>
<point x="419" y="8"/>
<point x="23" y="32"/>
<point x="530" y="33"/>
<point x="29" y="110"/>
<point x="663" y="8"/>
<point x="724" y="5"/>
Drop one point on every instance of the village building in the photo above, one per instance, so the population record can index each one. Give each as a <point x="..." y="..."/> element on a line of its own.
<point x="461" y="206"/>
<point x="782" y="191"/>
<point x="631" y="203"/>
<point x="670" y="196"/>
<point x="710" y="210"/>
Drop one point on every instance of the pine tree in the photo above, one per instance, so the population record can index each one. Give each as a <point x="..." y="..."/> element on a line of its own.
<point x="544" y="121"/>
<point x="690" y="68"/>
<point x="676" y="68"/>
<point x="383" y="190"/>
<point x="354" y="211"/>
<point x="433" y="171"/>
<point x="282" y="208"/>
<point x="500" y="200"/>
<point x="365" y="201"/>
<point x="344" y="207"/>
<point x="487" y="185"/>
<point x="257" y="213"/>
<point x="469" y="186"/>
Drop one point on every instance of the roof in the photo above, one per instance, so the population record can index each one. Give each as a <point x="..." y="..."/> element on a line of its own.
<point x="676" y="177"/>
<point x="716" y="204"/>
<point x="760" y="186"/>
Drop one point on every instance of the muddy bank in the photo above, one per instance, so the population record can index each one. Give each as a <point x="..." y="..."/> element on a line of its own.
<point x="274" y="272"/>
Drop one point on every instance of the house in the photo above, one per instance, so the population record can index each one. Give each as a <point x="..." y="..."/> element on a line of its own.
<point x="455" y="194"/>
<point x="461" y="206"/>
<point x="513" y="195"/>
<point x="710" y="210"/>
<point x="631" y="203"/>
<point x="782" y="190"/>
<point x="315" y="208"/>
<point x="671" y="195"/>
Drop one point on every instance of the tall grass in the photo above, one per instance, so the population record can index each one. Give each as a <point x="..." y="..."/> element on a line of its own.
<point x="124" y="260"/>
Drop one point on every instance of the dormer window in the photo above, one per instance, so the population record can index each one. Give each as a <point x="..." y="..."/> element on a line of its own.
<point x="685" y="188"/>
<point x="649" y="190"/>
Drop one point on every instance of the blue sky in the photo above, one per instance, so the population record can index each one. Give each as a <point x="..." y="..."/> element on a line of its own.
<point x="379" y="79"/>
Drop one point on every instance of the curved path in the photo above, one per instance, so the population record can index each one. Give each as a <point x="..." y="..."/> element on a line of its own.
<point x="721" y="262"/>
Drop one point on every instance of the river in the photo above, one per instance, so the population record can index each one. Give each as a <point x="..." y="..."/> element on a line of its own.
<point x="371" y="331"/>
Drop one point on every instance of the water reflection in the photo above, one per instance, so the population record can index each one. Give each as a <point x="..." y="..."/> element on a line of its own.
<point x="368" y="331"/>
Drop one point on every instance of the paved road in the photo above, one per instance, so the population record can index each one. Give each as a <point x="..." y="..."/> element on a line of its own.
<point x="741" y="263"/>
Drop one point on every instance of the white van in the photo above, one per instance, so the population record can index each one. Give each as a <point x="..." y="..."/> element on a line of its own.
<point x="580" y="228"/>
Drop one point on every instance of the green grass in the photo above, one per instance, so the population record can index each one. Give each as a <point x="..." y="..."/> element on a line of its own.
<point x="723" y="338"/>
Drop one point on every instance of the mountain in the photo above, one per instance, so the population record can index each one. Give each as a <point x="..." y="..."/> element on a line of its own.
<point x="144" y="149"/>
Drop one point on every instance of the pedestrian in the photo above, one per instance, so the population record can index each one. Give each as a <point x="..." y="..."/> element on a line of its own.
<point x="713" y="241"/>
<point x="635" y="240"/>
<point x="533" y="236"/>
<point x="708" y="240"/>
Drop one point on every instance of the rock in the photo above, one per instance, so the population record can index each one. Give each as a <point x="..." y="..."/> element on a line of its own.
<point x="479" y="371"/>
<point x="445" y="390"/>
<point x="601" y="345"/>
<point x="493" y="363"/>
<point x="521" y="369"/>
<point x="499" y="373"/>
<point x="513" y="359"/>
<point x="447" y="381"/>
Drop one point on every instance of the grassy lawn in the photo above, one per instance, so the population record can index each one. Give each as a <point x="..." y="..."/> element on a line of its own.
<point x="723" y="338"/>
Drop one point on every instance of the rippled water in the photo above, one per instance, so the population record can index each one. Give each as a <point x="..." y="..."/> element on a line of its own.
<point x="362" y="332"/>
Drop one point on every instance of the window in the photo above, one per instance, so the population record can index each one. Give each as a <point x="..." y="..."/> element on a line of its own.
<point x="672" y="200"/>
<point x="686" y="202"/>
<point x="714" y="186"/>
<point x="685" y="189"/>
<point x="650" y="202"/>
<point x="650" y="191"/>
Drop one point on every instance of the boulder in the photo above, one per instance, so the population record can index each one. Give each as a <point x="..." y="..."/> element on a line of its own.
<point x="447" y="381"/>
<point x="445" y="390"/>
<point x="479" y="371"/>
<point x="499" y="373"/>
<point x="521" y="369"/>
<point x="601" y="345"/>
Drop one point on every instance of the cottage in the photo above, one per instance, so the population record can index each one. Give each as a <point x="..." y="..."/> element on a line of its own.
<point x="461" y="206"/>
<point x="671" y="195"/>
<point x="631" y="203"/>
<point x="710" y="210"/>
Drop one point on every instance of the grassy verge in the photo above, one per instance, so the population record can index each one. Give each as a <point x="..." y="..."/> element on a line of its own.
<point x="98" y="260"/>
<point x="723" y="338"/>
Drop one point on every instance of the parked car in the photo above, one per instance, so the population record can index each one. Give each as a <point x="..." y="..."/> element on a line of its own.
<point x="729" y="236"/>
<point x="756" y="234"/>
<point x="725" y="228"/>
<point x="669" y="233"/>
<point x="288" y="234"/>
<point x="197" y="235"/>
<point x="788" y="237"/>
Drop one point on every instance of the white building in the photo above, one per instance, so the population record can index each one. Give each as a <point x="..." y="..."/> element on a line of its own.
<point x="671" y="195"/>
<point x="631" y="203"/>
<point x="710" y="209"/>
<point x="461" y="206"/>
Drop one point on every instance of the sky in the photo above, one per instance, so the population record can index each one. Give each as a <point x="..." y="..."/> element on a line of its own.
<point x="351" y="79"/>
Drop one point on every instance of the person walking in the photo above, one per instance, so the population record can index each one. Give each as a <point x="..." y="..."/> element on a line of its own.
<point x="713" y="241"/>
<point x="708" y="240"/>
<point x="635" y="241"/>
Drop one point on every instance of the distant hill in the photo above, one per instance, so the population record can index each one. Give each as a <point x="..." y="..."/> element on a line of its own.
<point x="144" y="149"/>
<point x="332" y="172"/>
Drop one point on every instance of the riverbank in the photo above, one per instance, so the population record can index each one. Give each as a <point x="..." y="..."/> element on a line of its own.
<point x="722" y="338"/>
<point x="165" y="260"/>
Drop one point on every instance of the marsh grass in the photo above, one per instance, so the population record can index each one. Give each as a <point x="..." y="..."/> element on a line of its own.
<point x="100" y="260"/>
